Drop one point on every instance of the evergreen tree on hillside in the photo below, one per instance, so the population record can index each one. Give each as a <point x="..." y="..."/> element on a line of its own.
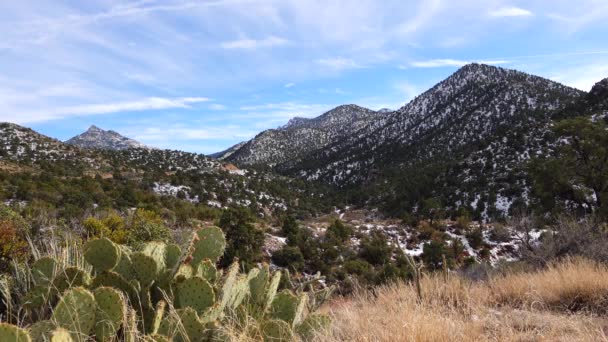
<point x="576" y="177"/>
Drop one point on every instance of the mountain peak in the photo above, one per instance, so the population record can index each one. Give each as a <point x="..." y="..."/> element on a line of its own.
<point x="97" y="138"/>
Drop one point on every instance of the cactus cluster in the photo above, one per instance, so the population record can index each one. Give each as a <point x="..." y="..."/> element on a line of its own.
<point x="160" y="293"/>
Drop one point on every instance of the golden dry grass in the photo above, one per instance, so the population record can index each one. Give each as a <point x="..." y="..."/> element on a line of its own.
<point x="517" y="307"/>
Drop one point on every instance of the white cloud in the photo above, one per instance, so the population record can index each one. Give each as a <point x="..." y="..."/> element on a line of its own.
<point x="150" y="103"/>
<point x="510" y="12"/>
<point x="438" y="63"/>
<point x="289" y="85"/>
<point x="271" y="41"/>
<point x="338" y="63"/>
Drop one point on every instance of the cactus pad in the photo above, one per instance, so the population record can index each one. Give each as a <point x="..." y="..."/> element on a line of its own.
<point x="313" y="324"/>
<point x="272" y="290"/>
<point x="196" y="293"/>
<point x="206" y="269"/>
<point x="156" y="250"/>
<point x="239" y="292"/>
<point x="111" y="311"/>
<point x="288" y="307"/>
<point x="41" y="331"/>
<point x="146" y="268"/>
<point x="76" y="313"/>
<point x="43" y="270"/>
<point x="277" y="331"/>
<point x="183" y="328"/>
<point x="258" y="285"/>
<point x="61" y="335"/>
<point x="230" y="281"/>
<point x="12" y="333"/>
<point x="70" y="277"/>
<point x="37" y="297"/>
<point x="172" y="255"/>
<point x="210" y="244"/>
<point x="125" y="266"/>
<point x="115" y="281"/>
<point x="103" y="254"/>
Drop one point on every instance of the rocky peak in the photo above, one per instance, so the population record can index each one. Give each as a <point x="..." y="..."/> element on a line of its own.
<point x="97" y="138"/>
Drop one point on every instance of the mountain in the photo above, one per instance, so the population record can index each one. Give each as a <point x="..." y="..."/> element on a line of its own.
<point x="302" y="136"/>
<point x="465" y="141"/>
<point x="97" y="138"/>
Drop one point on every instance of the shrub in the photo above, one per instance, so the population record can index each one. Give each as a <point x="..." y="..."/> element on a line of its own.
<point x="245" y="241"/>
<point x="289" y="257"/>
<point x="432" y="254"/>
<point x="475" y="238"/>
<point x="13" y="238"/>
<point x="146" y="225"/>
<point x="375" y="248"/>
<point x="339" y="231"/>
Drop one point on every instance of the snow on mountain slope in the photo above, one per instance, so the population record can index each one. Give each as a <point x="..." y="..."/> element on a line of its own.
<point x="302" y="136"/>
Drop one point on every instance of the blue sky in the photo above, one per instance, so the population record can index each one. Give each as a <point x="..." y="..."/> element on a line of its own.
<point x="202" y="75"/>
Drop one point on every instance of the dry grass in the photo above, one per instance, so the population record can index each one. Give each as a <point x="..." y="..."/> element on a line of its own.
<point x="518" y="307"/>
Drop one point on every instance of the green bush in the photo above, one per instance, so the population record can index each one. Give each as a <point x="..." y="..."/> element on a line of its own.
<point x="289" y="257"/>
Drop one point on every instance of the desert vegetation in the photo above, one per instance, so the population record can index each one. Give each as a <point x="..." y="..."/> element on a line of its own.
<point x="566" y="301"/>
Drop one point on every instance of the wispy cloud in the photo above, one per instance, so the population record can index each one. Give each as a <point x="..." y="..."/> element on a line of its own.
<point x="150" y="103"/>
<point x="289" y="85"/>
<point x="339" y="63"/>
<point x="267" y="42"/>
<point x="510" y="12"/>
<point x="438" y="63"/>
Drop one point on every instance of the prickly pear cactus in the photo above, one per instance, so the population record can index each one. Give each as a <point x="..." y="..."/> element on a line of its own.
<point x="44" y="270"/>
<point x="209" y="243"/>
<point x="157" y="251"/>
<point x="184" y="271"/>
<point x="277" y="331"/>
<point x="70" y="277"/>
<point x="259" y="284"/>
<point x="111" y="312"/>
<point x="76" y="312"/>
<point x="185" y="327"/>
<point x="114" y="280"/>
<point x="288" y="307"/>
<point x="196" y="293"/>
<point x="239" y="292"/>
<point x="172" y="255"/>
<point x="313" y="324"/>
<point x="146" y="268"/>
<point x="206" y="269"/>
<point x="41" y="331"/>
<point x="102" y="254"/>
<point x="159" y="313"/>
<point x="37" y="297"/>
<point x="11" y="333"/>
<point x="125" y="266"/>
<point x="61" y="335"/>
<point x="228" y="288"/>
<point x="271" y="292"/>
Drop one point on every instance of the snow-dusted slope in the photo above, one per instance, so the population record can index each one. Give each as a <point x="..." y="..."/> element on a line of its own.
<point x="97" y="138"/>
<point x="302" y="136"/>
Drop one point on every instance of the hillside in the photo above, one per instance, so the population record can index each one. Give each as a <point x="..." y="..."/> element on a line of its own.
<point x="301" y="137"/>
<point x="190" y="176"/>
